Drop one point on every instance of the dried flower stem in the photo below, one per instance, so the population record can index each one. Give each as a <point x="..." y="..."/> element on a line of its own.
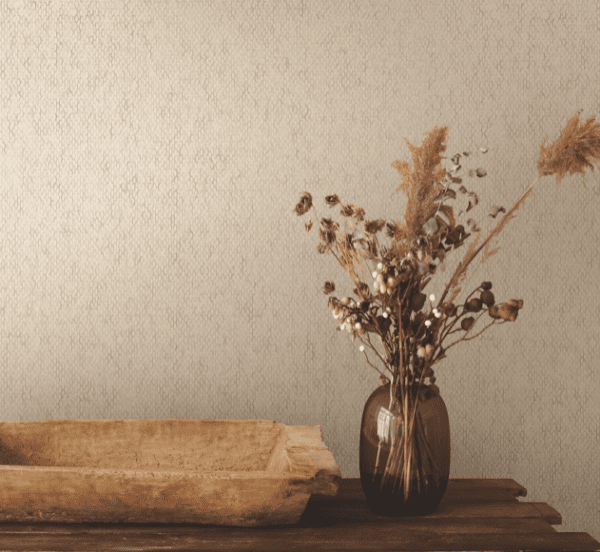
<point x="375" y="351"/>
<point x="372" y="365"/>
<point x="422" y="434"/>
<point x="494" y="321"/>
<point x="407" y="449"/>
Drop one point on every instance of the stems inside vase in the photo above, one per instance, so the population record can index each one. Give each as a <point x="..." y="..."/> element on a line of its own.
<point x="410" y="459"/>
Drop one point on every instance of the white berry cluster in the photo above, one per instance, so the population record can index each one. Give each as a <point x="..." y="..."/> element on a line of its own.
<point x="380" y="285"/>
<point x="349" y="321"/>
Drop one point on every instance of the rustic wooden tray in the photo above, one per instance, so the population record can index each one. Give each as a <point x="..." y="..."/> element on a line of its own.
<point x="224" y="472"/>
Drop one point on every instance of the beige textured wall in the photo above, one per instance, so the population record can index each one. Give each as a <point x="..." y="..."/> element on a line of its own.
<point x="151" y="153"/>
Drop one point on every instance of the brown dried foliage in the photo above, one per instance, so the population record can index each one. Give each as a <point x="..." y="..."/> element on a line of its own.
<point x="408" y="262"/>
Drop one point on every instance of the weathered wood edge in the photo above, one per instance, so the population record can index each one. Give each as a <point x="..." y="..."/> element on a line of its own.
<point x="312" y="464"/>
<point x="464" y="484"/>
<point x="507" y="484"/>
<point x="352" y="538"/>
<point x="548" y="513"/>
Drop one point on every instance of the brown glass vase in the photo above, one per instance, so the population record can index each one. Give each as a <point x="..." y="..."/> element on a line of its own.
<point x="390" y="488"/>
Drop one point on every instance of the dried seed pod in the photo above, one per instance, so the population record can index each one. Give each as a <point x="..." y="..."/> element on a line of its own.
<point x="507" y="312"/>
<point x="427" y="372"/>
<point x="472" y="224"/>
<point x="486" y="285"/>
<point x="362" y="290"/>
<point x="495" y="210"/>
<point x="332" y="200"/>
<point x="328" y="236"/>
<point x="304" y="205"/>
<point x="456" y="235"/>
<point x="329" y="287"/>
<point x="515" y="303"/>
<point x="452" y="310"/>
<point x="467" y="323"/>
<point x="417" y="324"/>
<point x="347" y="210"/>
<point x="418" y="301"/>
<point x="493" y="311"/>
<point x="474" y="305"/>
<point x="384" y="323"/>
<point x="487" y="297"/>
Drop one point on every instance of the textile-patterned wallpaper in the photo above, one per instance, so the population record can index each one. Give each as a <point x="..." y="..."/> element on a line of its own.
<point x="152" y="152"/>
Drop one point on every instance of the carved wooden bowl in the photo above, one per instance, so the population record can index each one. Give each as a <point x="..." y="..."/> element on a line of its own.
<point x="224" y="472"/>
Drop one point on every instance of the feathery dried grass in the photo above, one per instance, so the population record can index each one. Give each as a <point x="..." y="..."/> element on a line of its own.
<point x="572" y="151"/>
<point x="418" y="182"/>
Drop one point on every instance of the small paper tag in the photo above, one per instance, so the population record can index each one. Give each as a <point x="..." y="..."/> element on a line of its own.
<point x="387" y="425"/>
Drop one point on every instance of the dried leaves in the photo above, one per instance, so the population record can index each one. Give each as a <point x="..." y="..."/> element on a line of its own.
<point x="328" y="288"/>
<point x="304" y="204"/>
<point x="374" y="226"/>
<point x="495" y="210"/>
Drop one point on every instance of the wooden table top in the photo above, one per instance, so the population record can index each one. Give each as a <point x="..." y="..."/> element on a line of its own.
<point x="475" y="514"/>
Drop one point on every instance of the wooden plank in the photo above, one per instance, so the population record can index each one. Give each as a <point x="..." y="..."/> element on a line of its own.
<point x="456" y="494"/>
<point x="548" y="513"/>
<point x="509" y="484"/>
<point x="461" y="484"/>
<point x="355" y="509"/>
<point x="485" y="495"/>
<point x="353" y="538"/>
<point x="352" y="486"/>
<point x="439" y="526"/>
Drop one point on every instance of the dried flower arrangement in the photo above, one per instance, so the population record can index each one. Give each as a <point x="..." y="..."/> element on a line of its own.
<point x="412" y="338"/>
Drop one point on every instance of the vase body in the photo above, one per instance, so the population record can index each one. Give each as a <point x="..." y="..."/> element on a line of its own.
<point x="391" y="488"/>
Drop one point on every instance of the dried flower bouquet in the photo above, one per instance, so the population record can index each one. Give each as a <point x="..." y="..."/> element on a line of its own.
<point x="392" y="307"/>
